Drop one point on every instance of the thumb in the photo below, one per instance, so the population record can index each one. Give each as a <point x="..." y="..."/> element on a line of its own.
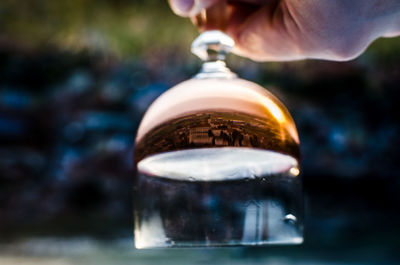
<point x="189" y="8"/>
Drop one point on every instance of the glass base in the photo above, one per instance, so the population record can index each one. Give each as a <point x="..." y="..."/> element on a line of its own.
<point x="217" y="197"/>
<point x="171" y="244"/>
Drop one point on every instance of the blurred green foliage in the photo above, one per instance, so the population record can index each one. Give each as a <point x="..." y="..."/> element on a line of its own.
<point x="121" y="27"/>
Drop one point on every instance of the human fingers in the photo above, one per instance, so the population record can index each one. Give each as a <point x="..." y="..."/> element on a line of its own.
<point x="265" y="33"/>
<point x="317" y="29"/>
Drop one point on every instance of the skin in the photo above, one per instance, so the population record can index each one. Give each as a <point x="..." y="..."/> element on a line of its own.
<point x="286" y="30"/>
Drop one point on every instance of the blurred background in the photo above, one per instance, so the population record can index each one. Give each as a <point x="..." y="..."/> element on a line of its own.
<point x="76" y="78"/>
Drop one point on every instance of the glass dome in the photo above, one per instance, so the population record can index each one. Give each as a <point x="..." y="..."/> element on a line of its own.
<point x="218" y="165"/>
<point x="217" y="161"/>
<point x="216" y="112"/>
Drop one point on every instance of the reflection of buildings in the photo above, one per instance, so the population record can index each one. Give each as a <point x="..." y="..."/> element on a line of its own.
<point x="214" y="128"/>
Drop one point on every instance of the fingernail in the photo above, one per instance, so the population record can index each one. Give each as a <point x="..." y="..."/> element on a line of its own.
<point x="182" y="7"/>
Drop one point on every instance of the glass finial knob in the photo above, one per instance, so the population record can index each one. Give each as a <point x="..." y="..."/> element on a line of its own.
<point x="212" y="45"/>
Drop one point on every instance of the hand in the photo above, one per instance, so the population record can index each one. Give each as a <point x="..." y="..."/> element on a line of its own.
<point x="285" y="30"/>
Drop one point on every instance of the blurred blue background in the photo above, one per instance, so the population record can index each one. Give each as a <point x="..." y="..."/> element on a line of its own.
<point x="75" y="80"/>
